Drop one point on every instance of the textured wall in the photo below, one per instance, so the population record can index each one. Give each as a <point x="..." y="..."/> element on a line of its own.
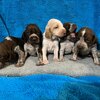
<point x="18" y="13"/>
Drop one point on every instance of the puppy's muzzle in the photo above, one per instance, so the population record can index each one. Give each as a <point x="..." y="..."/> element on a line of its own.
<point x="81" y="44"/>
<point x="33" y="39"/>
<point x="72" y="37"/>
<point x="62" y="32"/>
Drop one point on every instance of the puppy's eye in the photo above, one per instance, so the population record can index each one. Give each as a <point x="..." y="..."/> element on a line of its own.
<point x="56" y="27"/>
<point x="87" y="41"/>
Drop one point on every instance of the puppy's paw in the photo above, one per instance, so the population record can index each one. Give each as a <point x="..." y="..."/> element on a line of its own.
<point x="62" y="60"/>
<point x="45" y="62"/>
<point x="55" y="59"/>
<point x="19" y="64"/>
<point x="97" y="63"/>
<point x="40" y="63"/>
<point x="73" y="59"/>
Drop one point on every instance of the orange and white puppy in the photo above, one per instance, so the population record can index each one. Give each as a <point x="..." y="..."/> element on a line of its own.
<point x="53" y="31"/>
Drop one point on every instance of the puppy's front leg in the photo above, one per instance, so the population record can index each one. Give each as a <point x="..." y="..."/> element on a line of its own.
<point x="56" y="54"/>
<point x="21" y="56"/>
<point x="44" y="51"/>
<point x="62" y="48"/>
<point x="56" y="48"/>
<point x="75" y="52"/>
<point x="40" y="58"/>
<point x="95" y="56"/>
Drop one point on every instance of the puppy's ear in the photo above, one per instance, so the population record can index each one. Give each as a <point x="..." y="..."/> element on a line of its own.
<point x="25" y="36"/>
<point x="94" y="39"/>
<point x="66" y="26"/>
<point x="75" y="27"/>
<point x="48" y="33"/>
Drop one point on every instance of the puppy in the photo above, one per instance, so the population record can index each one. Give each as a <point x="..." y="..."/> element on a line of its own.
<point x="67" y="42"/>
<point x="53" y="31"/>
<point x="86" y="44"/>
<point x="11" y="51"/>
<point x="32" y="37"/>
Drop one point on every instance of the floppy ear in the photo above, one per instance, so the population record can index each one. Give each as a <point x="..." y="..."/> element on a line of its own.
<point x="25" y="36"/>
<point x="94" y="39"/>
<point x="75" y="27"/>
<point x="66" y="26"/>
<point x="48" y="33"/>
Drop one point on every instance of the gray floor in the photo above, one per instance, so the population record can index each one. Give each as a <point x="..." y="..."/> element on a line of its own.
<point x="68" y="67"/>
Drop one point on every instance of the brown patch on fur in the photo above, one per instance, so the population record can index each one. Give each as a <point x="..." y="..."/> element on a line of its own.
<point x="48" y="33"/>
<point x="89" y="36"/>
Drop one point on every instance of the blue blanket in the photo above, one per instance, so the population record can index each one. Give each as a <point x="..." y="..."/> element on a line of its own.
<point x="49" y="87"/>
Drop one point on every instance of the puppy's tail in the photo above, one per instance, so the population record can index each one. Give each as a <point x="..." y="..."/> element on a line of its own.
<point x="5" y="25"/>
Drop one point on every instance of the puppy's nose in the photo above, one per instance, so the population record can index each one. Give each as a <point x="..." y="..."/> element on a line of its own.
<point x="64" y="34"/>
<point x="34" y="38"/>
<point x="81" y="38"/>
<point x="64" y="30"/>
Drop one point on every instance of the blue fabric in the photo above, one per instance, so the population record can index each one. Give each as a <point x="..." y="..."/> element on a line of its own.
<point x="18" y="13"/>
<point x="49" y="87"/>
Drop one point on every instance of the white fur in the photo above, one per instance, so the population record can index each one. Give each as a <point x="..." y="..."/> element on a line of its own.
<point x="29" y="49"/>
<point x="33" y="35"/>
<point x="70" y="26"/>
<point x="83" y="32"/>
<point x="49" y="46"/>
<point x="8" y="38"/>
<point x="65" y="48"/>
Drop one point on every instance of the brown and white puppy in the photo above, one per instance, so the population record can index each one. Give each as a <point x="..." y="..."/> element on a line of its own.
<point x="32" y="37"/>
<point x="53" y="31"/>
<point x="67" y="42"/>
<point x="86" y="44"/>
<point x="11" y="51"/>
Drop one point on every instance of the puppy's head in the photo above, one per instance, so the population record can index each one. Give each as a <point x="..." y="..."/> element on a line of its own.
<point x="54" y="28"/>
<point x="70" y="31"/>
<point x="32" y="31"/>
<point x="70" y="27"/>
<point x="86" y="36"/>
